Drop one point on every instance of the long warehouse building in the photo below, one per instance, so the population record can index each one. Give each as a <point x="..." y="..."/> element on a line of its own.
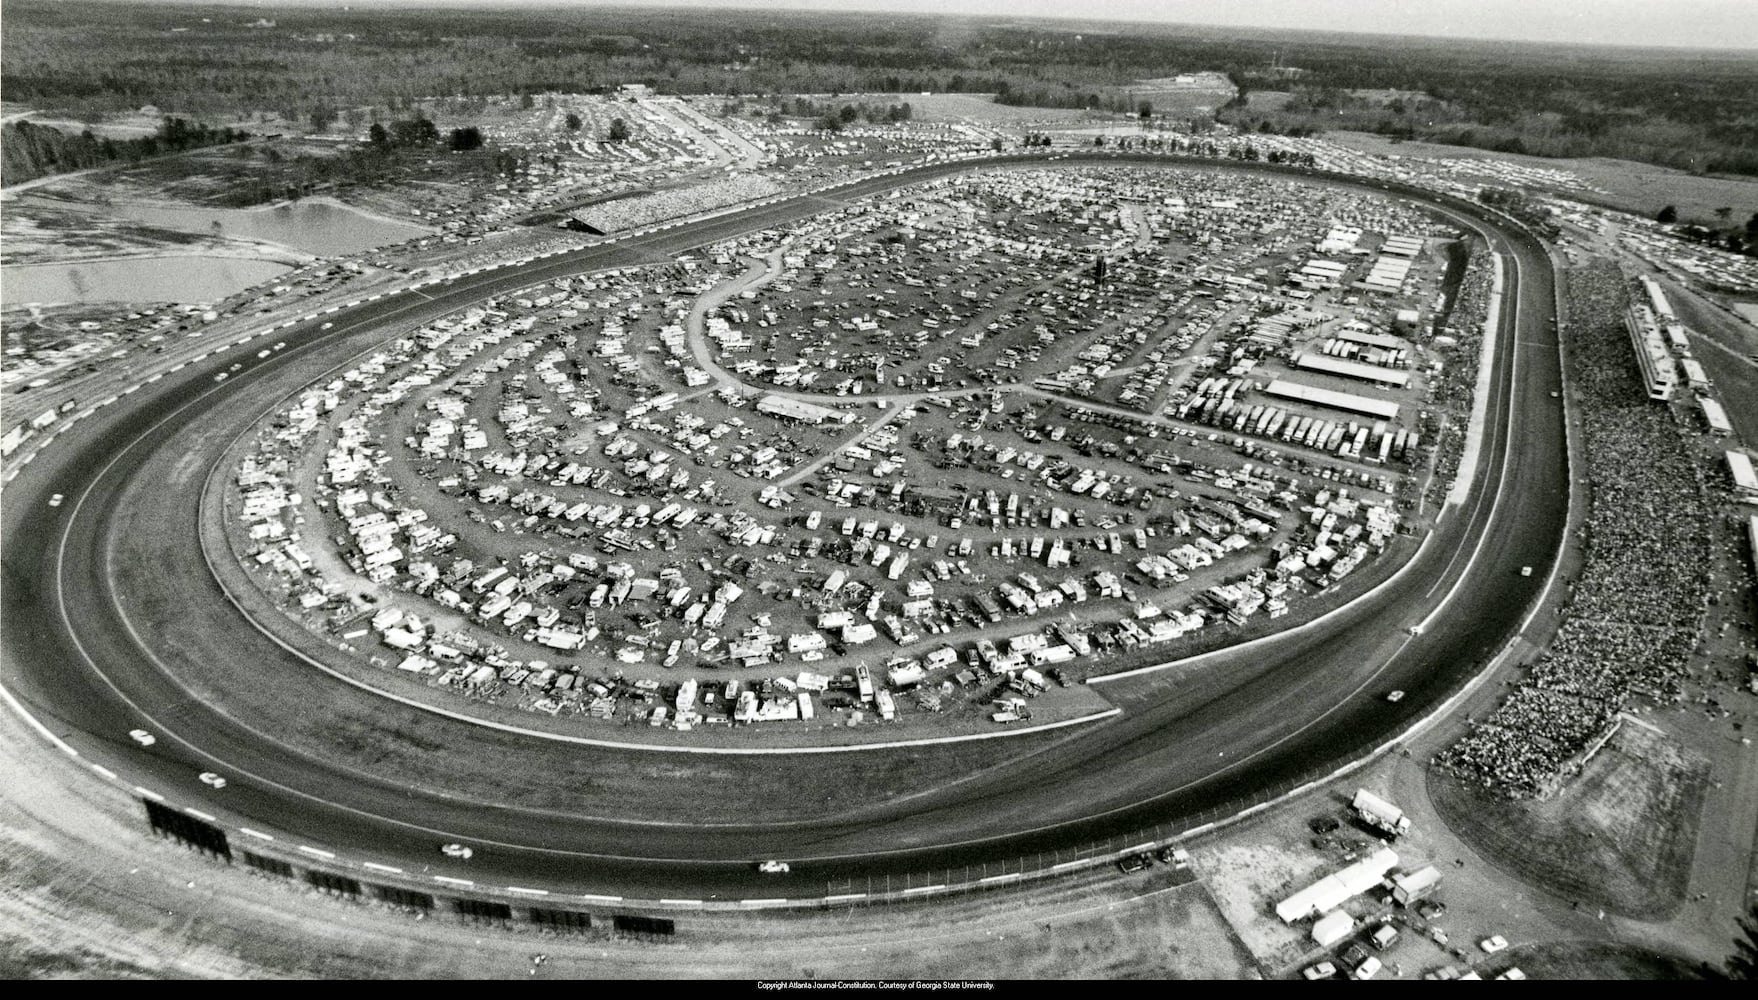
<point x="1346" y="401"/>
<point x="1381" y="340"/>
<point x="795" y="409"/>
<point x="1352" y="369"/>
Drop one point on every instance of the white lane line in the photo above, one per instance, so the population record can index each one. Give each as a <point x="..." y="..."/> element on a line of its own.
<point x="315" y="852"/>
<point x="680" y="902"/>
<point x="104" y="771"/>
<point x="527" y="892"/>
<point x="148" y="793"/>
<point x="1066" y="865"/>
<point x="198" y="814"/>
<point x="763" y="902"/>
<point x="845" y="898"/>
<point x="375" y="866"/>
<point x="600" y="899"/>
<point x="992" y="879"/>
<point x="924" y="888"/>
<point x="447" y="879"/>
<point x="258" y="834"/>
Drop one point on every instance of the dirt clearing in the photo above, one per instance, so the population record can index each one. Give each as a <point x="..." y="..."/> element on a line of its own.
<point x="1620" y="836"/>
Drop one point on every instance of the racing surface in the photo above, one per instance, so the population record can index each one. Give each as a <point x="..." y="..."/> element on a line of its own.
<point x="83" y="580"/>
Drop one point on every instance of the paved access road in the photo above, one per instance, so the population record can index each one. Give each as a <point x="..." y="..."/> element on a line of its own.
<point x="86" y="581"/>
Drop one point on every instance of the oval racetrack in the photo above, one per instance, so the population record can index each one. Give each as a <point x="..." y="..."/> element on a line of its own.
<point x="81" y="580"/>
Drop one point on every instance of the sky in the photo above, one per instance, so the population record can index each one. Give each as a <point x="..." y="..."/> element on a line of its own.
<point x="1675" y="23"/>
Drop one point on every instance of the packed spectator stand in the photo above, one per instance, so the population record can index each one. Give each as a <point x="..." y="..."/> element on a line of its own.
<point x="1635" y="612"/>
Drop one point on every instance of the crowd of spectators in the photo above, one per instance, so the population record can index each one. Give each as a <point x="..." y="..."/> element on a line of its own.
<point x="677" y="202"/>
<point x="1637" y="608"/>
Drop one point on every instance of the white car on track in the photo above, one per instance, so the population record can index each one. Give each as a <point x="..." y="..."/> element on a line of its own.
<point x="458" y="851"/>
<point x="773" y="867"/>
<point x="142" y="737"/>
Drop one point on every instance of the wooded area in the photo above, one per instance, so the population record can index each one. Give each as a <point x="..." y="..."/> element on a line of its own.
<point x="1694" y="110"/>
<point x="28" y="151"/>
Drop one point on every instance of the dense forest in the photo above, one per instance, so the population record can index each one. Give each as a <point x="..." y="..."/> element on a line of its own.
<point x="1694" y="110"/>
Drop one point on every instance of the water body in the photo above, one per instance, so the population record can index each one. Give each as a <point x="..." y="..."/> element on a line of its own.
<point x="320" y="228"/>
<point x="172" y="278"/>
<point x="326" y="229"/>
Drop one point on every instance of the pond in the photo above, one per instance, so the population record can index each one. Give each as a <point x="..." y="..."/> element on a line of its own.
<point x="172" y="278"/>
<point x="321" y="227"/>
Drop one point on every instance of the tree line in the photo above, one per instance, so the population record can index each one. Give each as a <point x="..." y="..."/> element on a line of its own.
<point x="29" y="150"/>
<point x="1694" y="110"/>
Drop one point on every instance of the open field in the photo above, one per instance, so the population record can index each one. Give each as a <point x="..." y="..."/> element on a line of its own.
<point x="1591" y="960"/>
<point x="1619" y="836"/>
<point x="1638" y="188"/>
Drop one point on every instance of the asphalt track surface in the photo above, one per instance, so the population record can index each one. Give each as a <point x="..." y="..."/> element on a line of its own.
<point x="1187" y="741"/>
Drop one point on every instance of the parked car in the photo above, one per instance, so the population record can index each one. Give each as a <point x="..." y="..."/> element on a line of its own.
<point x="1493" y="944"/>
<point x="1323" y="970"/>
<point x="1177" y="857"/>
<point x="1360" y="964"/>
<point x="1135" y="863"/>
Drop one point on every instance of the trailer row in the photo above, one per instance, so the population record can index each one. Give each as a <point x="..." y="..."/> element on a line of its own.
<point x="1350" y="439"/>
